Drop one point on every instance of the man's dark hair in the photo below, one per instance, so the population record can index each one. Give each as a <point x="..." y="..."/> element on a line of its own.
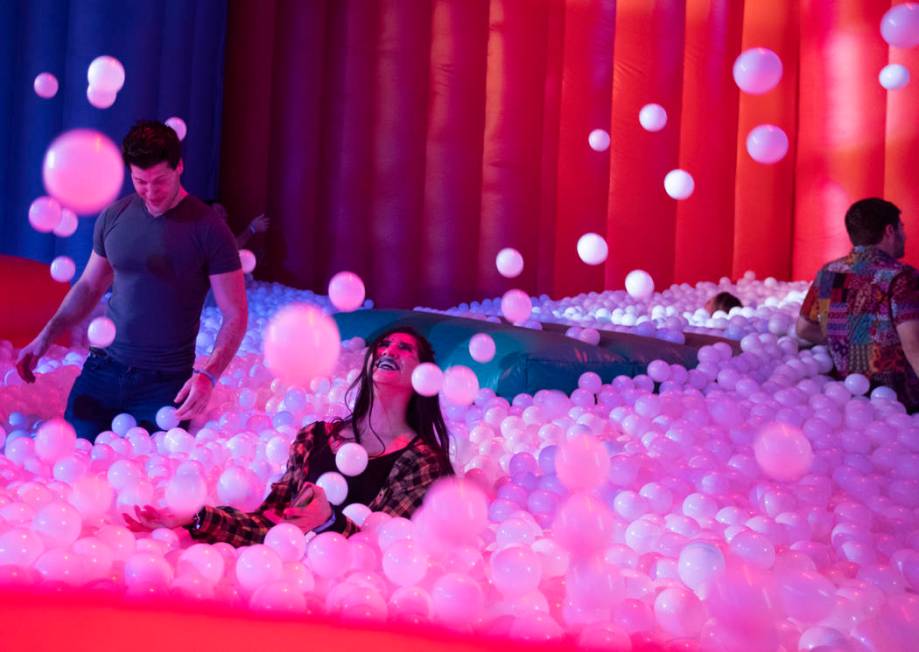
<point x="725" y="301"/>
<point x="866" y="220"/>
<point x="149" y="143"/>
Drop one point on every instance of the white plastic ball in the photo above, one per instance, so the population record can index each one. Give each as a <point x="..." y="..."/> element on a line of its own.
<point x="592" y="249"/>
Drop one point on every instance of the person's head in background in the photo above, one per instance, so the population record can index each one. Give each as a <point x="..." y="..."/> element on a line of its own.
<point x="723" y="301"/>
<point x="876" y="222"/>
<point x="153" y="154"/>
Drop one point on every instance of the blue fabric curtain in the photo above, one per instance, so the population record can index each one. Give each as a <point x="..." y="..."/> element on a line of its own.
<point x="172" y="51"/>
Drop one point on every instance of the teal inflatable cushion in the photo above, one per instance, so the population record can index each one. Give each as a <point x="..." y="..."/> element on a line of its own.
<point x="526" y="360"/>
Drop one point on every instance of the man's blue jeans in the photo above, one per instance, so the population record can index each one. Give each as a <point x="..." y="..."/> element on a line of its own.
<point x="106" y="388"/>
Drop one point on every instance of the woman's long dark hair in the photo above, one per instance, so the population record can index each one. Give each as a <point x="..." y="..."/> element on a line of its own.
<point x="423" y="414"/>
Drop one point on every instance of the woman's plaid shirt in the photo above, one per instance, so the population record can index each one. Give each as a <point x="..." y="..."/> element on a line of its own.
<point x="412" y="475"/>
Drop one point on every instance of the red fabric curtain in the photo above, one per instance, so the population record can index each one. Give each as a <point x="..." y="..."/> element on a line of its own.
<point x="410" y="141"/>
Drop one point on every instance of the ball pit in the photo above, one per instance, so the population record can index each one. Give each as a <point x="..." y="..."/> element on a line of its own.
<point x="750" y="503"/>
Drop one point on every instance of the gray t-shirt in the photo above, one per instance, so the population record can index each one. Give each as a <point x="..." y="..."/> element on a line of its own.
<point x="161" y="268"/>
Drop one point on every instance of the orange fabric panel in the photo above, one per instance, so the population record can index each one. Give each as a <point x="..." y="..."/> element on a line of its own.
<point x="764" y="194"/>
<point x="704" y="222"/>
<point x="453" y="173"/>
<point x="583" y="174"/>
<point x="842" y="110"/>
<point x="902" y="149"/>
<point x="511" y="168"/>
<point x="648" y="67"/>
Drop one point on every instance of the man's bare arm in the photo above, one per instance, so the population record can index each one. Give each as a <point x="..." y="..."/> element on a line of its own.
<point x="908" y="333"/>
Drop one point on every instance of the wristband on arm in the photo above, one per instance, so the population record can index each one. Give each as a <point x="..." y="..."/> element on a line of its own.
<point x="208" y="375"/>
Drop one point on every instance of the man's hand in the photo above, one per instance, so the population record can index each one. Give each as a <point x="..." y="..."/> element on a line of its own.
<point x="310" y="508"/>
<point x="259" y="224"/>
<point x="29" y="356"/>
<point x="194" y="396"/>
<point x="149" y="518"/>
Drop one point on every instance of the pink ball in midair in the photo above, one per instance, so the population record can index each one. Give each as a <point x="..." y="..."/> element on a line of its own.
<point x="482" y="347"/>
<point x="55" y="439"/>
<point x="460" y="385"/>
<point x="783" y="452"/>
<point x="177" y="125"/>
<point x="767" y="144"/>
<point x="106" y="73"/>
<point x="509" y="262"/>
<point x="101" y="332"/>
<point x="44" y="214"/>
<point x="68" y="224"/>
<point x="582" y="463"/>
<point x="346" y="291"/>
<point x="62" y="269"/>
<point x="516" y="306"/>
<point x="83" y="170"/>
<point x="427" y="379"/>
<point x="45" y="85"/>
<point x="757" y="70"/>
<point x="900" y="25"/>
<point x="100" y="98"/>
<point x="247" y="261"/>
<point x="301" y="343"/>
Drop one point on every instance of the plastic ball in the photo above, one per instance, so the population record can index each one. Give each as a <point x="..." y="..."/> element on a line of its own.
<point x="783" y="452"/>
<point x="346" y="291"/>
<point x="185" y="494"/>
<point x="247" y="261"/>
<point x="351" y="459"/>
<point x="698" y="563"/>
<point x="204" y="560"/>
<point x="857" y="384"/>
<point x="58" y="524"/>
<point x="457" y="599"/>
<point x="177" y="125"/>
<point x="166" y="418"/>
<point x="83" y="170"/>
<point x="301" y="343"/>
<point x="405" y="563"/>
<point x="101" y="332"/>
<point x="482" y="348"/>
<point x="45" y="85"/>
<point x="287" y="540"/>
<point x="20" y="547"/>
<point x="515" y="570"/>
<point x="592" y="249"/>
<point x="767" y="144"/>
<point x="357" y="512"/>
<point x="335" y="487"/>
<point x="894" y="76"/>
<point x="757" y="70"/>
<point x="679" y="612"/>
<point x="639" y="284"/>
<point x="599" y="140"/>
<point x="63" y="269"/>
<point x="653" y="117"/>
<point x="329" y="555"/>
<point x="68" y="224"/>
<point x="509" y="262"/>
<point x="427" y="379"/>
<point x="456" y="510"/>
<point x="900" y="25"/>
<point x="257" y="565"/>
<point x="55" y="439"/>
<point x="460" y="385"/>
<point x="679" y="184"/>
<point x="106" y="73"/>
<point x="516" y="306"/>
<point x="582" y="463"/>
<point x="100" y="98"/>
<point x="44" y="214"/>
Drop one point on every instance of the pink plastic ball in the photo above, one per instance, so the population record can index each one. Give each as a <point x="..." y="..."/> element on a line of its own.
<point x="301" y="343"/>
<point x="83" y="170"/>
<point x="482" y="348"/>
<point x="177" y="125"/>
<point x="258" y="565"/>
<point x="679" y="612"/>
<point x="45" y="85"/>
<point x="100" y="98"/>
<point x="20" y="547"/>
<point x="185" y="494"/>
<point x="583" y="525"/>
<point x="68" y="224"/>
<point x="757" y="70"/>
<point x="101" y="332"/>
<point x="515" y="570"/>
<point x="44" y="214"/>
<point x="346" y="291"/>
<point x="58" y="524"/>
<point x="144" y="570"/>
<point x="427" y="379"/>
<point x="639" y="284"/>
<point x="457" y="510"/>
<point x="900" y="25"/>
<point x="55" y="439"/>
<point x="106" y="73"/>
<point x="653" y="117"/>
<point x="509" y="262"/>
<point x="599" y="140"/>
<point x="592" y="249"/>
<point x="516" y="306"/>
<point x="679" y="184"/>
<point x="247" y="261"/>
<point x="582" y="463"/>
<point x="92" y="496"/>
<point x="460" y="385"/>
<point x="457" y="599"/>
<point x="351" y="459"/>
<point x="405" y="563"/>
<point x="204" y="560"/>
<point x="783" y="452"/>
<point x="335" y="487"/>
<point x="329" y="555"/>
<point x="767" y="144"/>
<point x="287" y="540"/>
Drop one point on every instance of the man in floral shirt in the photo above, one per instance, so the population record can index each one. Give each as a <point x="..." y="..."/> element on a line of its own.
<point x="865" y="306"/>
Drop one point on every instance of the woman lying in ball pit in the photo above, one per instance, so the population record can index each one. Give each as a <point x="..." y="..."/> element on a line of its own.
<point x="403" y="432"/>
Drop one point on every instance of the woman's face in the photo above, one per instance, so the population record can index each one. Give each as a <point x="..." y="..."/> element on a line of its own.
<point x="394" y="359"/>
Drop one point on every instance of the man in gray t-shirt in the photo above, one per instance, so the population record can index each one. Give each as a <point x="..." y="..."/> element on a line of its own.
<point x="159" y="249"/>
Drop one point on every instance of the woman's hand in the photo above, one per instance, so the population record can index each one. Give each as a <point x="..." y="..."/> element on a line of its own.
<point x="309" y="510"/>
<point x="148" y="518"/>
<point x="259" y="224"/>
